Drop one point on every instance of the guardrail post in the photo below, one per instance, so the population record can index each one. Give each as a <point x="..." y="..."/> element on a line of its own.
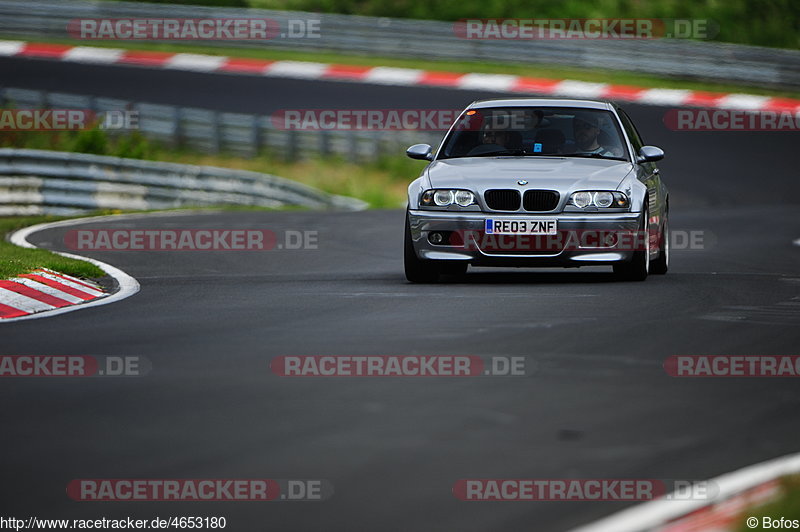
<point x="291" y="149"/>
<point x="324" y="143"/>
<point x="377" y="145"/>
<point x="255" y="136"/>
<point x="352" y="146"/>
<point x="216" y="139"/>
<point x="265" y="134"/>
<point x="176" y="127"/>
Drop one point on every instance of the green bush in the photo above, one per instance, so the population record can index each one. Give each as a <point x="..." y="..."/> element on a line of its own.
<point x="760" y="22"/>
<point x="132" y="145"/>
<point x="94" y="141"/>
<point x="223" y="3"/>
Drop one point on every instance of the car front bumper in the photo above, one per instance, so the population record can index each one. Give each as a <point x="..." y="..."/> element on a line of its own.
<point x="584" y="250"/>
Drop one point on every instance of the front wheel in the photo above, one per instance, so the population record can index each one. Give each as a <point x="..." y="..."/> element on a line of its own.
<point x="661" y="264"/>
<point x="639" y="266"/>
<point x="417" y="270"/>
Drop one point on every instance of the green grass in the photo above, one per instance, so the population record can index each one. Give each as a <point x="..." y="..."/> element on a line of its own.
<point x="382" y="184"/>
<point x="15" y="260"/>
<point x="787" y="506"/>
<point x="521" y="69"/>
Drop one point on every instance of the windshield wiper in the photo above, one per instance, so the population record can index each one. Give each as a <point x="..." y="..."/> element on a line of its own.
<point x="593" y="156"/>
<point x="519" y="151"/>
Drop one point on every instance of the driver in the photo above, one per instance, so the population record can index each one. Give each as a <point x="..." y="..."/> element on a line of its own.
<point x="586" y="130"/>
<point x="495" y="136"/>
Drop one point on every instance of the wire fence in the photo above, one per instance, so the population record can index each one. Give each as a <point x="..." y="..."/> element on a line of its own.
<point x="245" y="135"/>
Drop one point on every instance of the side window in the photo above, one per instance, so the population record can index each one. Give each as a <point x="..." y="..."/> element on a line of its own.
<point x="630" y="129"/>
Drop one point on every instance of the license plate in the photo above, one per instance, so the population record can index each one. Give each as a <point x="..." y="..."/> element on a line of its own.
<point x="521" y="226"/>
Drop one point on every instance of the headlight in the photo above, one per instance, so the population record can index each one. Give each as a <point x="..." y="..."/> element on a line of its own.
<point x="581" y="199"/>
<point x="601" y="198"/>
<point x="465" y="198"/>
<point x="445" y="197"/>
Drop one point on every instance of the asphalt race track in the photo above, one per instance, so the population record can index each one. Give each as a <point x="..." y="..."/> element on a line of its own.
<point x="599" y="404"/>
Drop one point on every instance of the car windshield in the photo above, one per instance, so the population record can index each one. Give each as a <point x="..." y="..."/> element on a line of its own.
<point x="534" y="132"/>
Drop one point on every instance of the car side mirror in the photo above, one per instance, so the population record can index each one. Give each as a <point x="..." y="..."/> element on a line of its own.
<point x="420" y="151"/>
<point x="650" y="154"/>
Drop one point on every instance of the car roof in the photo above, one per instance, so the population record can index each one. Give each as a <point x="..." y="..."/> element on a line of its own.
<point x="541" y="102"/>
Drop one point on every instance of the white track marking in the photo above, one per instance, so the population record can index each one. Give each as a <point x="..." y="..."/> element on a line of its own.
<point x="71" y="284"/>
<point x="394" y="76"/>
<point x="580" y="89"/>
<point x="11" y="47"/>
<point x="91" y="284"/>
<point x="23" y="303"/>
<point x="196" y="62"/>
<point x="49" y="290"/>
<point x="742" y="101"/>
<point x="296" y="69"/>
<point x="664" y="96"/>
<point x="489" y="82"/>
<point x="88" y="54"/>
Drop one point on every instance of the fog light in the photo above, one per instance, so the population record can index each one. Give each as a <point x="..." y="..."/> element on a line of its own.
<point x="436" y="238"/>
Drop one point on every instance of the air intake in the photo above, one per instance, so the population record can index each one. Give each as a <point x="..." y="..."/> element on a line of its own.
<point x="502" y="199"/>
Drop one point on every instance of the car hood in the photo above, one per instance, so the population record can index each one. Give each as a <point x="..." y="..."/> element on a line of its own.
<point x="562" y="174"/>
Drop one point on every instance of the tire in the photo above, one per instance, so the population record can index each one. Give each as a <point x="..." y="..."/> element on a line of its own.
<point x="639" y="266"/>
<point x="661" y="264"/>
<point x="417" y="270"/>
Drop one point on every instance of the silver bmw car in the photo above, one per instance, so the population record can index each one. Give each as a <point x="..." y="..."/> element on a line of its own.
<point x="534" y="182"/>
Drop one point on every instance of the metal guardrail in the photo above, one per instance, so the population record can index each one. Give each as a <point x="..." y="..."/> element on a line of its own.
<point x="49" y="182"/>
<point x="240" y="134"/>
<point x="420" y="39"/>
